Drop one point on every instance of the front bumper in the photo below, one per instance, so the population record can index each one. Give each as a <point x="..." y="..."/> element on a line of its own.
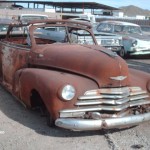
<point x="90" y="124"/>
<point x="139" y="51"/>
<point x="107" y="108"/>
<point x="114" y="48"/>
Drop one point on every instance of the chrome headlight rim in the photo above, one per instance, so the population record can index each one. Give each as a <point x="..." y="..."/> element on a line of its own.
<point x="67" y="92"/>
<point x="134" y="43"/>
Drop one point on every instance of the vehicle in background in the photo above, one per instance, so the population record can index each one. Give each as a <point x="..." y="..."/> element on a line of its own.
<point x="30" y="17"/>
<point x="134" y="41"/>
<point x="4" y="23"/>
<point x="76" y="83"/>
<point x="146" y="30"/>
<point x="108" y="40"/>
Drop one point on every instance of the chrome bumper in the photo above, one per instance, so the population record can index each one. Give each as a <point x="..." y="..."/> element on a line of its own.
<point x="91" y="124"/>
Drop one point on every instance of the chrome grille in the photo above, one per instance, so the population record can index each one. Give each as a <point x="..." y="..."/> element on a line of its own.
<point x="106" y="42"/>
<point x="110" y="42"/>
<point x="112" y="102"/>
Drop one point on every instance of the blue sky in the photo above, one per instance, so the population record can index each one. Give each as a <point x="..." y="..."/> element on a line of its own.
<point x="145" y="4"/>
<point x="117" y="3"/>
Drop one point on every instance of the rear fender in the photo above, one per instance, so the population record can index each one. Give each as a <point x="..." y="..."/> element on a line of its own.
<point x="48" y="84"/>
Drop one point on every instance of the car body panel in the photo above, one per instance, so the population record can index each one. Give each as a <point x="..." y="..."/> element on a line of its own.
<point x="37" y="69"/>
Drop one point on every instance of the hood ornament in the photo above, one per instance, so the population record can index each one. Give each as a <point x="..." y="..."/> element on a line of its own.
<point x="118" y="78"/>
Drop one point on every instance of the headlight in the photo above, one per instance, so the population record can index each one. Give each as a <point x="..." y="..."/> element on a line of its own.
<point x="67" y="92"/>
<point x="134" y="43"/>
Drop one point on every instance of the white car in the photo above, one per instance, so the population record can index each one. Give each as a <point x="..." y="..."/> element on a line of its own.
<point x="134" y="41"/>
<point x="29" y="17"/>
<point x="108" y="40"/>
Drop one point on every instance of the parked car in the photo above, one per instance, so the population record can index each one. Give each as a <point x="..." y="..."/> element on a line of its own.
<point x="108" y="40"/>
<point x="4" y="23"/>
<point x="30" y="17"/>
<point x="78" y="84"/>
<point x="134" y="41"/>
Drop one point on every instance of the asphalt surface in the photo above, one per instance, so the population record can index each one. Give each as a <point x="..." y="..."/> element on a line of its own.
<point x="23" y="129"/>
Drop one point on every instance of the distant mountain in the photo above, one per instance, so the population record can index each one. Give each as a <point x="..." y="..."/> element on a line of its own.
<point x="132" y="11"/>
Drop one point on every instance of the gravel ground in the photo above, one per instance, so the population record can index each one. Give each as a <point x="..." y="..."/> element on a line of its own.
<point x="23" y="129"/>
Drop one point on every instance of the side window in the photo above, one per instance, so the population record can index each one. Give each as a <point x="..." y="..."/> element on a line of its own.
<point x="101" y="27"/>
<point x="118" y="28"/>
<point x="50" y="35"/>
<point x="126" y="29"/>
<point x="104" y="27"/>
<point x="19" y="36"/>
<point x="80" y="36"/>
<point x="108" y="28"/>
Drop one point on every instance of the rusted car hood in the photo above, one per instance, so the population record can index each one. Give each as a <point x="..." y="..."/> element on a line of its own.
<point x="88" y="61"/>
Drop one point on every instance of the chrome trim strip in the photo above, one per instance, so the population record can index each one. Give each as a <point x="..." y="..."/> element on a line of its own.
<point x="101" y="101"/>
<point x="137" y="97"/>
<point x="90" y="114"/>
<point x="102" y="96"/>
<point x="90" y="124"/>
<point x="137" y="93"/>
<point x="122" y="90"/>
<point x="106" y="107"/>
<point x="109" y="101"/>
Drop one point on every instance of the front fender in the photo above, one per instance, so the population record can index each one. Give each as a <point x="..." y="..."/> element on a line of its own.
<point x="48" y="83"/>
<point x="127" y="44"/>
<point x="139" y="78"/>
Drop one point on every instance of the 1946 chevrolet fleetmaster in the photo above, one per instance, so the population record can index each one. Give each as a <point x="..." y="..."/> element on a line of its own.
<point x="79" y="84"/>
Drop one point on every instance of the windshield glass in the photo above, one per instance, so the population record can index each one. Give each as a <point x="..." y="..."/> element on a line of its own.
<point x="62" y="34"/>
<point x="127" y="29"/>
<point x="3" y="27"/>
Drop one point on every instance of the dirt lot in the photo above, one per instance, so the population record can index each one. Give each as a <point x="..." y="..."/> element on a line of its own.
<point x="23" y="129"/>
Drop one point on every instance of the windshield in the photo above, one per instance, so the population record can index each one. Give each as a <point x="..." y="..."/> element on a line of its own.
<point x="127" y="29"/>
<point x="62" y="34"/>
<point x="3" y="27"/>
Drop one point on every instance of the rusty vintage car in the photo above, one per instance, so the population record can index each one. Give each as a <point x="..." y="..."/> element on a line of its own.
<point x="79" y="85"/>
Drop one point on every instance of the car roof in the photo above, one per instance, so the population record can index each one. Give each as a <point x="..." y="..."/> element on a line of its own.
<point x="33" y="15"/>
<point x="119" y="23"/>
<point x="60" y="21"/>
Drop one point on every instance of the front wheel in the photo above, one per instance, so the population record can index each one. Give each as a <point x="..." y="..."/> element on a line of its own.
<point x="50" y="120"/>
<point x="122" y="53"/>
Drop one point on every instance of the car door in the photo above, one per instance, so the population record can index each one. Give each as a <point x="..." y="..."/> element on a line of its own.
<point x="14" y="56"/>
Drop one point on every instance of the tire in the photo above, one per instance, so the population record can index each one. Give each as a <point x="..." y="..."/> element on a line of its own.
<point x="122" y="53"/>
<point x="50" y="120"/>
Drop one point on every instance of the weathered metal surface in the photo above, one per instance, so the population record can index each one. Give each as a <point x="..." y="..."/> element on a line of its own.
<point x="28" y="67"/>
